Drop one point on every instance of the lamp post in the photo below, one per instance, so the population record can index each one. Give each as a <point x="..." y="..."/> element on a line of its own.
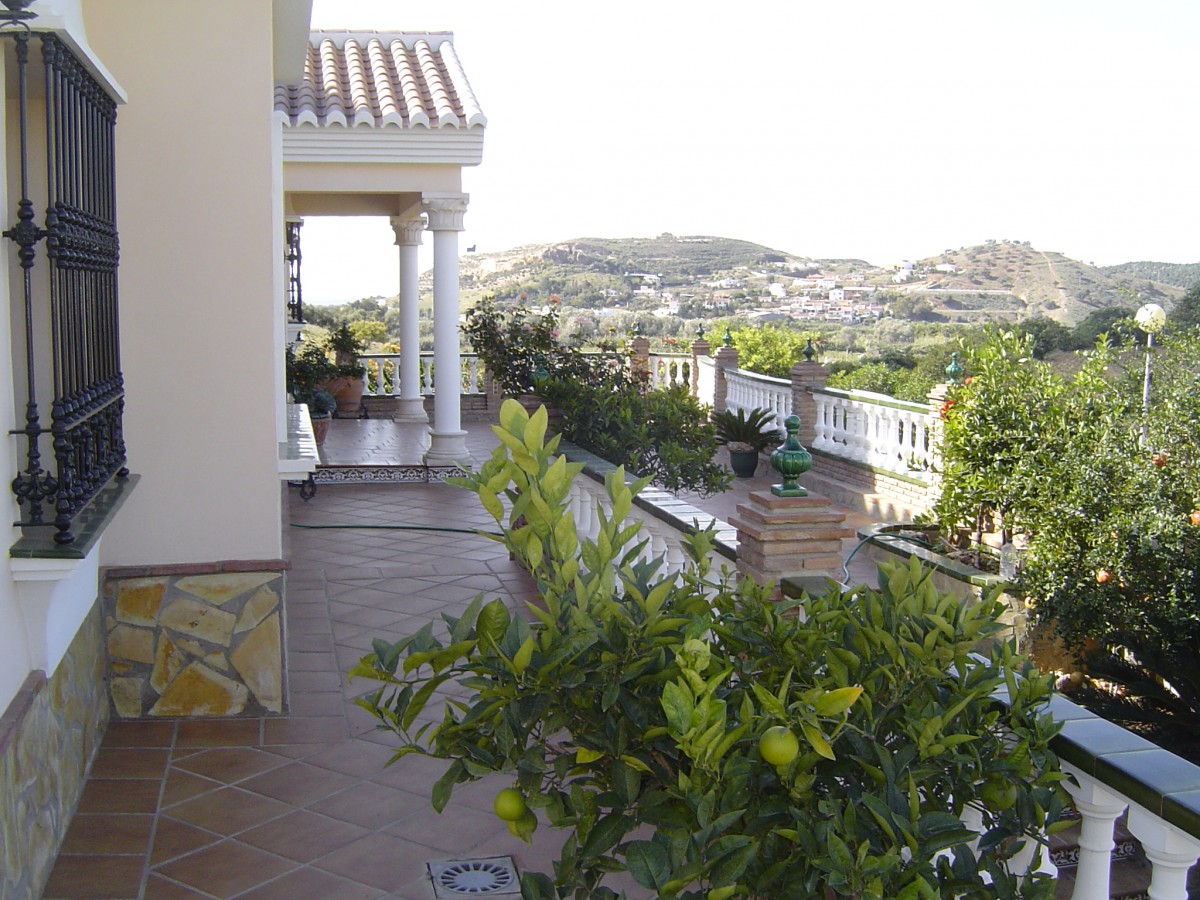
<point x="1150" y="318"/>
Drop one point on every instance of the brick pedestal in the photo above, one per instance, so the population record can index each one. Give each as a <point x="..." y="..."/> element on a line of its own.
<point x="783" y="536"/>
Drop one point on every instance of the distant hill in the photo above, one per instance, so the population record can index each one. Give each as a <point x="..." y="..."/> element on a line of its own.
<point x="1182" y="275"/>
<point x="993" y="281"/>
<point x="1015" y="281"/>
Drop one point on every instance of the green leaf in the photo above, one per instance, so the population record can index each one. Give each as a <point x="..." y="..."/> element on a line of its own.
<point x="817" y="740"/>
<point x="678" y="705"/>
<point x="523" y="656"/>
<point x="584" y="755"/>
<point x="648" y="863"/>
<point x="837" y="701"/>
<point x="443" y="787"/>
<point x="605" y="834"/>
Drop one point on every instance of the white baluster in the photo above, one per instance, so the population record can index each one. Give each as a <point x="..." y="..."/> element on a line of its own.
<point x="823" y="426"/>
<point x="473" y="375"/>
<point x="394" y="367"/>
<point x="1171" y="853"/>
<point x="1099" y="809"/>
<point x="427" y="374"/>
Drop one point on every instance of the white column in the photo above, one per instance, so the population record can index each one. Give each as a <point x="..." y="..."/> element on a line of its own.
<point x="1099" y="809"/>
<point x="1171" y="853"/>
<point x="447" y="444"/>
<point x="411" y="407"/>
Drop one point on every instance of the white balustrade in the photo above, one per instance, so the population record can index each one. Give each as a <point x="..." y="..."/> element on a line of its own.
<point x="750" y="390"/>
<point x="383" y="374"/>
<point x="670" y="369"/>
<point x="1170" y="850"/>
<point x="661" y="538"/>
<point x="872" y="428"/>
<point x="706" y="380"/>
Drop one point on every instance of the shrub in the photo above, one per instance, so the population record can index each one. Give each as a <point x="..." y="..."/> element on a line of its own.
<point x="661" y="434"/>
<point x="630" y="713"/>
<point x="770" y="351"/>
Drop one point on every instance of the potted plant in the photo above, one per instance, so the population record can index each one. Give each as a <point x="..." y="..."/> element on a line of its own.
<point x="746" y="434"/>
<point x="321" y="405"/>
<point x="349" y="383"/>
<point x="307" y="371"/>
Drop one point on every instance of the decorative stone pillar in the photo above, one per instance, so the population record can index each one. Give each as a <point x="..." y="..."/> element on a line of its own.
<point x="411" y="407"/>
<point x="639" y="358"/>
<point x="939" y="394"/>
<point x="700" y="347"/>
<point x="726" y="358"/>
<point x="806" y="377"/>
<point x="447" y="443"/>
<point x="789" y="531"/>
<point x="788" y="536"/>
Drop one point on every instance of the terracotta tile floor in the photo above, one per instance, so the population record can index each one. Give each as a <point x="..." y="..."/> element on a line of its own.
<point x="304" y="806"/>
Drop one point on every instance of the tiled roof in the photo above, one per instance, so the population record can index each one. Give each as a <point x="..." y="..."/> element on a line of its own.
<point x="381" y="80"/>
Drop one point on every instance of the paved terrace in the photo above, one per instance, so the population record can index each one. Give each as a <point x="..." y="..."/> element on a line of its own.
<point x="304" y="806"/>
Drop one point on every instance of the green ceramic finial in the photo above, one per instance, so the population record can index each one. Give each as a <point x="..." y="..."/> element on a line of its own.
<point x="637" y="329"/>
<point x="809" y="351"/>
<point x="791" y="461"/>
<point x="700" y="332"/>
<point x="727" y="339"/>
<point x="954" y="371"/>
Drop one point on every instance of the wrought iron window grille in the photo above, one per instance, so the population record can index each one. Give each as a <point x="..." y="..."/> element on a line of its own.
<point x="70" y="313"/>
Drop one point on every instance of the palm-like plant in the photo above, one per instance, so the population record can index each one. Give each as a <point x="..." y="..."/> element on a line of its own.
<point x="754" y="427"/>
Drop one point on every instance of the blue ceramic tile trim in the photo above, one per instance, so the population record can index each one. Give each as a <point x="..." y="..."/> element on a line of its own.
<point x="38" y="543"/>
<point x="661" y="504"/>
<point x="1156" y="779"/>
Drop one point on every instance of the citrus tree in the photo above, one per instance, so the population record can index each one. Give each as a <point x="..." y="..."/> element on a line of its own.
<point x="1000" y="432"/>
<point x="714" y="744"/>
<point x="1114" y="556"/>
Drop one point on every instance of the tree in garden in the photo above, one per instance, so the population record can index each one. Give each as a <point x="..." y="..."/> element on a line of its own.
<point x="1186" y="312"/>
<point x="1114" y="557"/>
<point x="1000" y="434"/>
<point x="714" y="744"/>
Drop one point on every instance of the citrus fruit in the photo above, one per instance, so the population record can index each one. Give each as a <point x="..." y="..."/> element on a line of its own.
<point x="524" y="825"/>
<point x="509" y="805"/>
<point x="998" y="794"/>
<point x="778" y="746"/>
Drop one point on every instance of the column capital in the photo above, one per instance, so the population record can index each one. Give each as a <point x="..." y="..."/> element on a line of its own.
<point x="408" y="231"/>
<point x="445" y="211"/>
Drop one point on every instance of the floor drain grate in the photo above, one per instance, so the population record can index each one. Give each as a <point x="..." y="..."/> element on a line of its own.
<point x="494" y="877"/>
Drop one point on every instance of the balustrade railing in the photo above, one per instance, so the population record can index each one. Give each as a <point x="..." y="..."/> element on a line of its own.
<point x="670" y="370"/>
<point x="383" y="374"/>
<point x="750" y="390"/>
<point x="873" y="429"/>
<point x="706" y="380"/>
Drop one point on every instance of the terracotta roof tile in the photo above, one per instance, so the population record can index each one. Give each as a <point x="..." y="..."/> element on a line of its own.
<point x="381" y="80"/>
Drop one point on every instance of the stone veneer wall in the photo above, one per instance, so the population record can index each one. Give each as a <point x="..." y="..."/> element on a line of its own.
<point x="49" y="736"/>
<point x="195" y="640"/>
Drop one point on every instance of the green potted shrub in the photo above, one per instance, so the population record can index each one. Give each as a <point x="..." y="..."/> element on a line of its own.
<point x="713" y="744"/>
<point x="745" y="435"/>
<point x="349" y="383"/>
<point x="321" y="405"/>
<point x="307" y="371"/>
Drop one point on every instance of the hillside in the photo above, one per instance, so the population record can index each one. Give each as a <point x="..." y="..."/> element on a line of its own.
<point x="689" y="275"/>
<point x="1182" y="275"/>
<point x="1019" y="281"/>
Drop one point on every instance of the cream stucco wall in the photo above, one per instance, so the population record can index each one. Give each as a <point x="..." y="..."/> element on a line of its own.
<point x="14" y="652"/>
<point x="197" y="209"/>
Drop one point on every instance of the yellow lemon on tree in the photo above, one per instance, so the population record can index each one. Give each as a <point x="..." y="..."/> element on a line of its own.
<point x="778" y="745"/>
<point x="509" y="804"/>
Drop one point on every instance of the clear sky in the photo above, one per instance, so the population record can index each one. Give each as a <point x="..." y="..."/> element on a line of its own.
<point x="854" y="128"/>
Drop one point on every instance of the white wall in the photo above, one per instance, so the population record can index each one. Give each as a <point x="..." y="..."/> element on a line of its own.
<point x="197" y="209"/>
